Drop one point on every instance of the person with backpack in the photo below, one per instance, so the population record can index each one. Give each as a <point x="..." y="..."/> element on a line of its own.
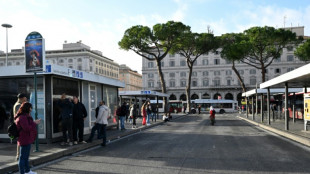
<point x="212" y="115"/>
<point x="21" y="98"/>
<point x="79" y="115"/>
<point x="27" y="134"/>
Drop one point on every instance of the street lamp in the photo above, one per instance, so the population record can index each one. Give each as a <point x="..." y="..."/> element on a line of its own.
<point x="6" y="26"/>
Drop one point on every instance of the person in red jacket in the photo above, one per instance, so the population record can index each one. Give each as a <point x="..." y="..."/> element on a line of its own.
<point x="27" y="134"/>
<point x="212" y="115"/>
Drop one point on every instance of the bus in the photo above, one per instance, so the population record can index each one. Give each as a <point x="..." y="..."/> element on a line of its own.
<point x="220" y="106"/>
<point x="175" y="106"/>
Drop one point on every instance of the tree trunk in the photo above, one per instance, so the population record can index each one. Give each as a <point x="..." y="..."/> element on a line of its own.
<point x="163" y="85"/>
<point x="239" y="77"/>
<point x="263" y="73"/>
<point x="188" y="88"/>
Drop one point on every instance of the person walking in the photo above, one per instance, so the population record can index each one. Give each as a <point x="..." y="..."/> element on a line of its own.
<point x="21" y="98"/>
<point x="101" y="124"/>
<point x="97" y="112"/>
<point x="149" y="114"/>
<point x="199" y="109"/>
<point x="79" y="116"/>
<point x="66" y="107"/>
<point x="27" y="135"/>
<point x="133" y="114"/>
<point x="212" y="115"/>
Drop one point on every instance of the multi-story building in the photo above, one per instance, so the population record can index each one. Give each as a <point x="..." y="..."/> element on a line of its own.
<point x="132" y="79"/>
<point x="212" y="76"/>
<point x="73" y="55"/>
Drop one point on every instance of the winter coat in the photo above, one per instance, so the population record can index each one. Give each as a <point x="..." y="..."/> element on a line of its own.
<point x="212" y="113"/>
<point x="66" y="108"/>
<point x="27" y="129"/>
<point x="103" y="114"/>
<point x="79" y="111"/>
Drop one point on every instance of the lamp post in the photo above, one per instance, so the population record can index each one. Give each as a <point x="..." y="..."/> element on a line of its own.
<point x="6" y="26"/>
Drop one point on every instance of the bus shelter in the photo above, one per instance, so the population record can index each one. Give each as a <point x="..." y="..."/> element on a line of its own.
<point x="298" y="78"/>
<point x="51" y="84"/>
<point x="136" y="96"/>
<point x="255" y="93"/>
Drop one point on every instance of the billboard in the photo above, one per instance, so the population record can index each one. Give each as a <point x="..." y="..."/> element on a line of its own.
<point x="34" y="52"/>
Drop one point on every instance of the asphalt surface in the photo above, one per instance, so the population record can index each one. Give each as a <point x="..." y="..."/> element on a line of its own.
<point x="191" y="145"/>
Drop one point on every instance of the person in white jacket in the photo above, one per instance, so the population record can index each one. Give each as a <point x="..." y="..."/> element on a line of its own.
<point x="101" y="123"/>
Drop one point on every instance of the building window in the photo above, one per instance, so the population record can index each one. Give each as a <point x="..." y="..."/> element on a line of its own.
<point x="171" y="55"/>
<point x="241" y="72"/>
<point x="183" y="74"/>
<point x="61" y="61"/>
<point x="150" y="65"/>
<point x="194" y="83"/>
<point x="172" y="63"/>
<point x="217" y="73"/>
<point x="90" y="68"/>
<point x="289" y="48"/>
<point x="194" y="74"/>
<point x="216" y="61"/>
<point x="205" y="82"/>
<point x="217" y="82"/>
<point x="79" y="59"/>
<point x="150" y="75"/>
<point x="253" y="71"/>
<point x="96" y="70"/>
<point x="205" y="62"/>
<point x="217" y="52"/>
<point x="290" y="69"/>
<point x="90" y="61"/>
<point x="162" y="64"/>
<point x="151" y="84"/>
<point x="172" y="84"/>
<point x="183" y="83"/>
<point x="171" y="74"/>
<point x="228" y="72"/>
<point x="252" y="81"/>
<point x="70" y="60"/>
<point x="195" y="63"/>
<point x="182" y="63"/>
<point x="71" y="66"/>
<point x="228" y="82"/>
<point x="17" y="63"/>
<point x="278" y="59"/>
<point x="205" y="73"/>
<point x="79" y="67"/>
<point x="277" y="71"/>
<point x="290" y="58"/>
<point x="228" y="62"/>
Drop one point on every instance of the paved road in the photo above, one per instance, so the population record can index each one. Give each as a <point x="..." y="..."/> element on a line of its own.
<point x="191" y="145"/>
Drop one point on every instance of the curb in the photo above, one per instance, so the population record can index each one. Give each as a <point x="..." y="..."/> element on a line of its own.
<point x="291" y="136"/>
<point x="46" y="157"/>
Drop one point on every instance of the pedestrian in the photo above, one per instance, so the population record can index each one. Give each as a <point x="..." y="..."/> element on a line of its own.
<point x="212" y="115"/>
<point x="121" y="113"/>
<point x="127" y="112"/>
<point x="131" y="108"/>
<point x="101" y="124"/>
<point x="154" y="111"/>
<point x="66" y="107"/>
<point x="133" y="114"/>
<point x="184" y="109"/>
<point x="149" y="113"/>
<point x="143" y="113"/>
<point x="79" y="115"/>
<point x="21" y="98"/>
<point x="27" y="135"/>
<point x="96" y="115"/>
<point x="199" y="109"/>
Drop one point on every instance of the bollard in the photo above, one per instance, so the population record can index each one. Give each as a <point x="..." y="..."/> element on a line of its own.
<point x="293" y="113"/>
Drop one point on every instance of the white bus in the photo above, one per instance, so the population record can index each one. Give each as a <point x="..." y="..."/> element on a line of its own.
<point x="220" y="106"/>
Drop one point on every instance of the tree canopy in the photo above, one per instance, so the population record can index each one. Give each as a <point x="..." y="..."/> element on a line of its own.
<point x="303" y="51"/>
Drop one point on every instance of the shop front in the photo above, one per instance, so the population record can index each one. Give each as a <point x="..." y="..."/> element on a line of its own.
<point x="90" y="89"/>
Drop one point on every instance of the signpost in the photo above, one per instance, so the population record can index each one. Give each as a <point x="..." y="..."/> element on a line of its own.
<point x="34" y="62"/>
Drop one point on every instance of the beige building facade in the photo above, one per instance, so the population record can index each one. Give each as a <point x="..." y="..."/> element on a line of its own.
<point x="131" y="78"/>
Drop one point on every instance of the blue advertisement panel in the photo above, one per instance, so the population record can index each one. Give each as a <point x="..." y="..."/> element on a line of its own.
<point x="34" y="53"/>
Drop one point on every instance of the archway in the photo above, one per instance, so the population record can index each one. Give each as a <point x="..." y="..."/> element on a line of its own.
<point x="183" y="97"/>
<point x="194" y="96"/>
<point x="172" y="97"/>
<point x="206" y="96"/>
<point x="229" y="96"/>
<point x="217" y="96"/>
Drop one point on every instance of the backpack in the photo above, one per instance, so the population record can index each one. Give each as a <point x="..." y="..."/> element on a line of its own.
<point x="12" y="131"/>
<point x="119" y="111"/>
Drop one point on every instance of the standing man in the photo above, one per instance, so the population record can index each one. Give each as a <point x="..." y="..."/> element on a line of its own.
<point x="121" y="113"/>
<point x="199" y="109"/>
<point x="21" y="98"/>
<point x="66" y="107"/>
<point x="101" y="123"/>
<point x="79" y="115"/>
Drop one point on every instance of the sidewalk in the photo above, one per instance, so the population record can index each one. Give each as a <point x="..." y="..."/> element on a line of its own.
<point x="49" y="152"/>
<point x="296" y="129"/>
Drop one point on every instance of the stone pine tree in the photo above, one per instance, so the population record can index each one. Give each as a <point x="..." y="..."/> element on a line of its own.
<point x="303" y="51"/>
<point x="153" y="44"/>
<point x="234" y="49"/>
<point x="191" y="46"/>
<point x="265" y="45"/>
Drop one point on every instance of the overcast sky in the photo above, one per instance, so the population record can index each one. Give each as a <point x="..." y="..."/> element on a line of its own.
<point x="100" y="24"/>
